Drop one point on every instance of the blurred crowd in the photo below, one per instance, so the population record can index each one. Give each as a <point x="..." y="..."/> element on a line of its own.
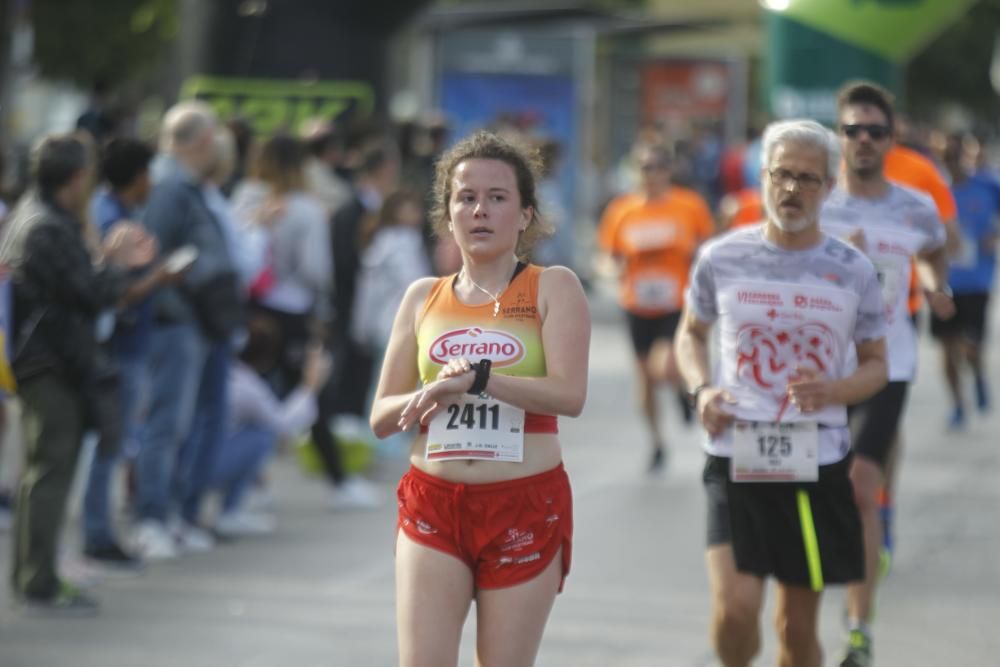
<point x="198" y="303"/>
<point x="194" y="305"/>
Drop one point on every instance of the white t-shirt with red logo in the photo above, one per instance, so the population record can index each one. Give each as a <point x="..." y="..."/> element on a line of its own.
<point x="780" y="312"/>
<point x="897" y="227"/>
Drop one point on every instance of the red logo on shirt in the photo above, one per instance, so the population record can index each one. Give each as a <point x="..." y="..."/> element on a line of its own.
<point x="767" y="358"/>
<point x="500" y="347"/>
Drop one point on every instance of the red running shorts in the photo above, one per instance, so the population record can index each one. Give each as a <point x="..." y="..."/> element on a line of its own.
<point x="507" y="533"/>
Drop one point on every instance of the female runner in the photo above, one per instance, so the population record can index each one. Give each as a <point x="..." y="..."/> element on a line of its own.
<point x="481" y="363"/>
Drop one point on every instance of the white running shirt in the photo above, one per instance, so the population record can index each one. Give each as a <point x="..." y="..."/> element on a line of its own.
<point x="779" y="310"/>
<point x="897" y="227"/>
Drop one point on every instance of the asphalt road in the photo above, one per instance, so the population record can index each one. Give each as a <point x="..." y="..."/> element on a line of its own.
<point x="320" y="591"/>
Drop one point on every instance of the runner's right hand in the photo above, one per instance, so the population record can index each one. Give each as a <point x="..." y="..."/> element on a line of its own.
<point x="455" y="367"/>
<point x="712" y="411"/>
<point x="434" y="398"/>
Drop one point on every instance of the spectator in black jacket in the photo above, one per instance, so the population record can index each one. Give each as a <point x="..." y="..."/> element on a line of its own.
<point x="59" y="292"/>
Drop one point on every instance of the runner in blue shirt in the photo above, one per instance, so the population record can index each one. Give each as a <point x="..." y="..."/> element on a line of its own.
<point x="970" y="277"/>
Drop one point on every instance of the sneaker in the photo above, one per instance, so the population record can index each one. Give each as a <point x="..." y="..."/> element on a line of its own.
<point x="191" y="538"/>
<point x="243" y="523"/>
<point x="982" y="395"/>
<point x="113" y="556"/>
<point x="659" y="459"/>
<point x="260" y="499"/>
<point x="152" y="541"/>
<point x="68" y="601"/>
<point x="859" y="650"/>
<point x="356" y="493"/>
<point x="957" y="420"/>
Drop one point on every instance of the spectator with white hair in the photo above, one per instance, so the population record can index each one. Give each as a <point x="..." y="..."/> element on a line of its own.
<point x="190" y="341"/>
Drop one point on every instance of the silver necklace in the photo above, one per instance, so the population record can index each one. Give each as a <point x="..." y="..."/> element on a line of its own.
<point x="496" y="299"/>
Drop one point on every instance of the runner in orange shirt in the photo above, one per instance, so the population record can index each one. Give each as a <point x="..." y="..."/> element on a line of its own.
<point x="653" y="235"/>
<point x="741" y="209"/>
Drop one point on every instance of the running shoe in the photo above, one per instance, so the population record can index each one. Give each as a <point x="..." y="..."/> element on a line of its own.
<point x="659" y="459"/>
<point x="957" y="420"/>
<point x="191" y="538"/>
<point x="68" y="601"/>
<point x="112" y="555"/>
<point x="982" y="394"/>
<point x="859" y="650"/>
<point x="153" y="541"/>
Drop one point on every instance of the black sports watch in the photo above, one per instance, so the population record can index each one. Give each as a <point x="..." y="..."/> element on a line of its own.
<point x="482" y="370"/>
<point x="692" y="396"/>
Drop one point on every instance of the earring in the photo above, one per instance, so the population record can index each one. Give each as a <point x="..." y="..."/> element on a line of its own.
<point x="451" y="227"/>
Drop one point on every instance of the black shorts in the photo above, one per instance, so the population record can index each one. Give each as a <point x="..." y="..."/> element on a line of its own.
<point x="802" y="533"/>
<point x="647" y="330"/>
<point x="969" y="321"/>
<point x="875" y="422"/>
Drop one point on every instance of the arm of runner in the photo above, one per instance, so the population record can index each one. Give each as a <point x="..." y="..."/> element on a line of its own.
<point x="397" y="384"/>
<point x="932" y="269"/>
<point x="691" y="346"/>
<point x="812" y="391"/>
<point x="562" y="305"/>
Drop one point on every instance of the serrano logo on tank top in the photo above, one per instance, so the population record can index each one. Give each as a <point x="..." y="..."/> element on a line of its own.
<point x="500" y="347"/>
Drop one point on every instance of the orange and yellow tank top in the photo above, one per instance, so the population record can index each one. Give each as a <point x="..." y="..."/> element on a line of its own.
<point x="448" y="328"/>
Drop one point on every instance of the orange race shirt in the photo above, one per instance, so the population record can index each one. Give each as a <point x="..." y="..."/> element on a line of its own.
<point x="749" y="209"/>
<point x="908" y="167"/>
<point x="512" y="341"/>
<point x="657" y="240"/>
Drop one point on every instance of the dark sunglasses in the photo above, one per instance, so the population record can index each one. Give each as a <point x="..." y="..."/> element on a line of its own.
<point x="875" y="131"/>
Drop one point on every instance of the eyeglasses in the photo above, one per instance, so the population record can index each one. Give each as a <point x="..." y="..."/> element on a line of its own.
<point x="652" y="166"/>
<point x="874" y="130"/>
<point x="807" y="182"/>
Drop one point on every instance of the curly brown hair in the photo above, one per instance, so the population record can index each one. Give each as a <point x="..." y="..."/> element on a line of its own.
<point x="527" y="166"/>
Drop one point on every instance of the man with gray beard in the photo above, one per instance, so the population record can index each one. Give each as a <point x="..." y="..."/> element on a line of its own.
<point x="796" y="310"/>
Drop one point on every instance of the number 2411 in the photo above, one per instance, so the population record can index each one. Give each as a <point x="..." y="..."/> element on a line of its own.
<point x="465" y="415"/>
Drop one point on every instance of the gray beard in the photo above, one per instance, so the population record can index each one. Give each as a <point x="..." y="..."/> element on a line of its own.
<point x="790" y="227"/>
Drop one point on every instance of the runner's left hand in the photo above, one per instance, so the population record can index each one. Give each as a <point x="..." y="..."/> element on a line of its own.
<point x="810" y="390"/>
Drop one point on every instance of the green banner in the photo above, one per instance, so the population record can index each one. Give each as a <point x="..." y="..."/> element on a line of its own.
<point x="274" y="104"/>
<point x="893" y="29"/>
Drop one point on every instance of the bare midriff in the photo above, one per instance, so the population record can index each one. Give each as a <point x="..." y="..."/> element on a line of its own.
<point x="542" y="452"/>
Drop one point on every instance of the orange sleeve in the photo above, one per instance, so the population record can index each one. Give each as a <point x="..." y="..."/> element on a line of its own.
<point x="941" y="193"/>
<point x="910" y="168"/>
<point x="607" y="232"/>
<point x="704" y="224"/>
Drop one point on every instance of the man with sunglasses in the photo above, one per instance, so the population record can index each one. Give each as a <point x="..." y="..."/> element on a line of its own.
<point x="653" y="235"/>
<point x="894" y="226"/>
